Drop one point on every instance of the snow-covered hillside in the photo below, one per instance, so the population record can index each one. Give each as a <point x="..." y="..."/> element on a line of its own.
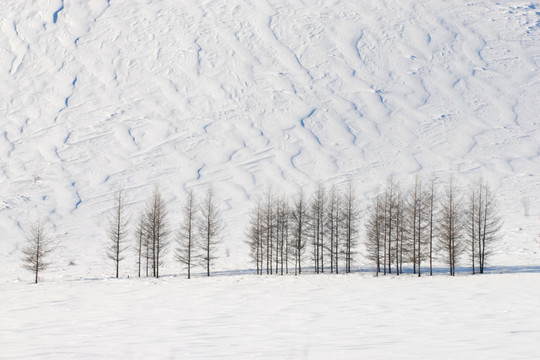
<point x="102" y="94"/>
<point x="106" y="94"/>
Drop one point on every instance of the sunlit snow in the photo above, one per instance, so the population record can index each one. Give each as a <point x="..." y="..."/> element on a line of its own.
<point x="107" y="94"/>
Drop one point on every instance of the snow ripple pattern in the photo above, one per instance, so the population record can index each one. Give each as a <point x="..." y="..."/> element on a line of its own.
<point x="96" y="94"/>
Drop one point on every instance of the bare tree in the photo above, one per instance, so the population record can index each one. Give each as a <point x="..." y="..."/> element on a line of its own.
<point x="117" y="232"/>
<point x="37" y="249"/>
<point x="484" y="224"/>
<point x="471" y="225"/>
<point x="374" y="232"/>
<point x="333" y="227"/>
<point x="282" y="234"/>
<point x="317" y="225"/>
<point x="255" y="237"/>
<point x="389" y="223"/>
<point x="400" y="230"/>
<point x="450" y="227"/>
<point x="418" y="224"/>
<point x="268" y="227"/>
<point x="186" y="236"/>
<point x="414" y="207"/>
<point x="210" y="227"/>
<point x="157" y="230"/>
<point x="350" y="225"/>
<point x="431" y="200"/>
<point x="298" y="220"/>
<point x="141" y="247"/>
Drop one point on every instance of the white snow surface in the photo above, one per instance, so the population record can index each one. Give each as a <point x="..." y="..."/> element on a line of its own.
<point x="246" y="317"/>
<point x="103" y="94"/>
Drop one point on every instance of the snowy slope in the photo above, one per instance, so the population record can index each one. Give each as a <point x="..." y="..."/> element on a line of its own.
<point x="103" y="94"/>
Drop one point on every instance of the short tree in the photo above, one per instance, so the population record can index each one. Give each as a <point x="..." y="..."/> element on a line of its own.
<point x="38" y="246"/>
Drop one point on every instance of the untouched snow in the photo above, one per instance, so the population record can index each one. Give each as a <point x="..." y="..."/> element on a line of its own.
<point x="98" y="95"/>
<point x="307" y="317"/>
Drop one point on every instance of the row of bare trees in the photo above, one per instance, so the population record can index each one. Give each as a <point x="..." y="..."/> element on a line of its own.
<point x="325" y="226"/>
<point x="413" y="227"/>
<point x="196" y="239"/>
<point x="425" y="223"/>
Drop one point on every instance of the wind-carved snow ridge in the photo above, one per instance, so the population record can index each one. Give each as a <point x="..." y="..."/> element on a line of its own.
<point x="66" y="100"/>
<point x="303" y="124"/>
<point x="349" y="130"/>
<point x="132" y="137"/>
<point x="293" y="164"/>
<point x="198" y="52"/>
<point x="79" y="200"/>
<point x="55" y="14"/>
<point x="11" y="144"/>
<point x="289" y="50"/>
<point x="67" y="137"/>
<point x="199" y="171"/>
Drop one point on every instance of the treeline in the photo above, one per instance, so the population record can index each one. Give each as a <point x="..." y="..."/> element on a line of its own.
<point x="410" y="226"/>
<point x="403" y="228"/>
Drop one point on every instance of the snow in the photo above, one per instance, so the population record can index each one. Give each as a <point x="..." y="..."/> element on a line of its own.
<point x="97" y="95"/>
<point x="306" y="317"/>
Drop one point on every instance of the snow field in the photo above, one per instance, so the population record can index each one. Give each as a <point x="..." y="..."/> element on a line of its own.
<point x="306" y="317"/>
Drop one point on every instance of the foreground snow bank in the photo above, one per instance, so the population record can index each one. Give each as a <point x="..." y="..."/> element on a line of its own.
<point x="493" y="316"/>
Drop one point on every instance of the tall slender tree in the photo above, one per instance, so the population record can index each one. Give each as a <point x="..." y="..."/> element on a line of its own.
<point x="418" y="224"/>
<point x="484" y="224"/>
<point x="374" y="232"/>
<point x="282" y="234"/>
<point x="210" y="227"/>
<point x="141" y="246"/>
<point x="157" y="229"/>
<point x="450" y="227"/>
<point x="317" y="225"/>
<point x="185" y="250"/>
<point x="255" y="237"/>
<point x="350" y="224"/>
<point x="298" y="219"/>
<point x="431" y="199"/>
<point x="333" y="227"/>
<point x="269" y="226"/>
<point x="118" y="230"/>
